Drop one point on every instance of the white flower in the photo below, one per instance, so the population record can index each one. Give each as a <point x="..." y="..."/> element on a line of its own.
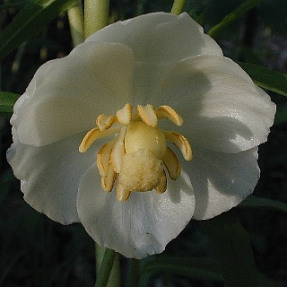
<point x="130" y="76"/>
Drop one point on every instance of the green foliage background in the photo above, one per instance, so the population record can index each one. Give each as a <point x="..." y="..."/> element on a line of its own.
<point x="34" y="251"/>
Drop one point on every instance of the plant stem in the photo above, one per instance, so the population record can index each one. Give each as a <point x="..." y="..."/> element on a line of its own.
<point x="133" y="273"/>
<point x="177" y="6"/>
<point x="96" y="15"/>
<point x="76" y="21"/>
<point x="108" y="267"/>
<point x="235" y="14"/>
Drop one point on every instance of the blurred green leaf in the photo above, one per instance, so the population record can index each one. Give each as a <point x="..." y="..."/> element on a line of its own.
<point x="259" y="202"/>
<point x="195" y="268"/>
<point x="266" y="78"/>
<point x="273" y="15"/>
<point x="13" y="4"/>
<point x="30" y="21"/>
<point x="7" y="101"/>
<point x="235" y="14"/>
<point x="5" y="182"/>
<point x="232" y="249"/>
<point x="281" y="114"/>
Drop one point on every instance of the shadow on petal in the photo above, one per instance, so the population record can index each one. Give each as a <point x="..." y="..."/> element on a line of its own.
<point x="223" y="134"/>
<point x="176" y="187"/>
<point x="221" y="180"/>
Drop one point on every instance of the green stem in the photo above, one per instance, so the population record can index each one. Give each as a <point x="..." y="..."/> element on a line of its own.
<point x="76" y="21"/>
<point x="235" y="14"/>
<point x="96" y="15"/>
<point x="108" y="267"/>
<point x="177" y="7"/>
<point x="133" y="273"/>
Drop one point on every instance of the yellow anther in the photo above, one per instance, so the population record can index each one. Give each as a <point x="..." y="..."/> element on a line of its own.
<point x="162" y="185"/>
<point x="118" y="151"/>
<point x="124" y="115"/>
<point x="122" y="194"/>
<point x="172" y="163"/>
<point x="169" y="113"/>
<point x="148" y="115"/>
<point x="93" y="135"/>
<point x="109" y="180"/>
<point x="104" y="122"/>
<point x="181" y="142"/>
<point x="103" y="158"/>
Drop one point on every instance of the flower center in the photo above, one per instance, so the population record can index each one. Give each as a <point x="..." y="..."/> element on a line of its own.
<point x="138" y="155"/>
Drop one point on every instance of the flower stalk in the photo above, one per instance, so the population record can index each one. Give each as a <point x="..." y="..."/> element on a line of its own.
<point x="96" y="13"/>
<point x="76" y="21"/>
<point x="108" y="271"/>
<point x="133" y="273"/>
<point x="177" y="7"/>
<point x="96" y="17"/>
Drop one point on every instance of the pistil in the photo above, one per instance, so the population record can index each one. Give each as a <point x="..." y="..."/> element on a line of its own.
<point x="138" y="155"/>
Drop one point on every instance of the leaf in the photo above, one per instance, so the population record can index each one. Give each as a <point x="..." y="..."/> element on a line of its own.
<point x="259" y="202"/>
<point x="281" y="114"/>
<point x="195" y="268"/>
<point x="30" y="21"/>
<point x="188" y="267"/>
<point x="13" y="4"/>
<point x="7" y="101"/>
<point x="266" y="78"/>
<point x="232" y="249"/>
<point x="5" y="182"/>
<point x="235" y="14"/>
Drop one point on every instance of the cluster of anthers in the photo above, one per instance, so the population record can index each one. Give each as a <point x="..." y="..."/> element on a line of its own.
<point x="138" y="153"/>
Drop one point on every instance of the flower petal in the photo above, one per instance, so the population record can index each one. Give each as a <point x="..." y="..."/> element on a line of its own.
<point x="159" y="37"/>
<point x="220" y="180"/>
<point x="222" y="109"/>
<point x="158" y="40"/>
<point x="50" y="175"/>
<point x="66" y="95"/>
<point x="143" y="224"/>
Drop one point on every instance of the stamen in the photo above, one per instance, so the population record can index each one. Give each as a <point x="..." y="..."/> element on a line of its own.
<point x="109" y="180"/>
<point x="118" y="151"/>
<point x="161" y="188"/>
<point x="104" y="122"/>
<point x="169" y="113"/>
<point x="148" y="115"/>
<point x="172" y="163"/>
<point x="124" y="115"/>
<point x="181" y="142"/>
<point x="93" y="135"/>
<point x="138" y="153"/>
<point x="103" y="157"/>
<point x="122" y="194"/>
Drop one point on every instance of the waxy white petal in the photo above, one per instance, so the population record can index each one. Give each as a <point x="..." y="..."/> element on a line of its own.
<point x="158" y="40"/>
<point x="50" y="175"/>
<point x="223" y="110"/>
<point x="220" y="180"/>
<point x="67" y="94"/>
<point x="141" y="225"/>
<point x="159" y="37"/>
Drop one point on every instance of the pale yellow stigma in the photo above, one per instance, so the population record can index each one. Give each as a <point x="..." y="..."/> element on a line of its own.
<point x="138" y="156"/>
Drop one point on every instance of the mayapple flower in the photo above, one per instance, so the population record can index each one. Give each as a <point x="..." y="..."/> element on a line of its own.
<point x="140" y="128"/>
